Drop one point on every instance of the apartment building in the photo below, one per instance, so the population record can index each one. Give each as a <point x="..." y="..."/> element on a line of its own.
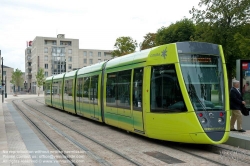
<point x="89" y="57"/>
<point x="7" y="73"/>
<point x="57" y="55"/>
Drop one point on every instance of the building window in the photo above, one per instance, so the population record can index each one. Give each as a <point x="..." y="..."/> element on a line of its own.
<point x="45" y="42"/>
<point x="90" y="61"/>
<point x="46" y="66"/>
<point x="99" y="54"/>
<point x="84" y="60"/>
<point x="99" y="60"/>
<point x="69" y="66"/>
<point x="70" y="58"/>
<point x="105" y="59"/>
<point x="29" y="51"/>
<point x="45" y="58"/>
<point x="54" y="43"/>
<point x="90" y="54"/>
<point x="4" y="73"/>
<point x="85" y="53"/>
<point x="46" y="74"/>
<point x="45" y="50"/>
<point x="105" y="54"/>
<point x="70" y="51"/>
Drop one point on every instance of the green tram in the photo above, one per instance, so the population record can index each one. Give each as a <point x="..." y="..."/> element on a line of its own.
<point x="176" y="92"/>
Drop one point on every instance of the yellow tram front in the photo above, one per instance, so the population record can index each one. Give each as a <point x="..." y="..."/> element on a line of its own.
<point x="188" y="94"/>
<point x="203" y="70"/>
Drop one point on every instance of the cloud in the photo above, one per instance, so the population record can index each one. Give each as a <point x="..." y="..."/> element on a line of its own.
<point x="95" y="23"/>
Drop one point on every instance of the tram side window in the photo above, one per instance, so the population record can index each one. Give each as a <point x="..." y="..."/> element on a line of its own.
<point x="93" y="91"/>
<point x="47" y="89"/>
<point x="79" y="92"/>
<point x="86" y="83"/>
<point x="137" y="89"/>
<point x="123" y="89"/>
<point x="111" y="90"/>
<point x="165" y="95"/>
<point x="68" y="89"/>
<point x="55" y="89"/>
<point x="65" y="95"/>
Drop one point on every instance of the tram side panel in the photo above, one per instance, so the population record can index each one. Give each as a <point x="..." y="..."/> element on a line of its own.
<point x="48" y="91"/>
<point x="88" y="95"/>
<point x="68" y="95"/>
<point x="123" y="98"/>
<point x="69" y="91"/>
<point x="79" y="95"/>
<point x="57" y="91"/>
<point x="57" y="95"/>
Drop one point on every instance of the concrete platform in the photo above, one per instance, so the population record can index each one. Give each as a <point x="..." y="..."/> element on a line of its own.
<point x="19" y="145"/>
<point x="241" y="140"/>
<point x="17" y="137"/>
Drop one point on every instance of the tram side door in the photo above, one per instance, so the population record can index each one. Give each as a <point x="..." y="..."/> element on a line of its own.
<point x="137" y="100"/>
<point x="95" y="111"/>
<point x="79" y="93"/>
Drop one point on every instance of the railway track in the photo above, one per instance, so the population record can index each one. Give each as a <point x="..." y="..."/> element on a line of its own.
<point x="197" y="153"/>
<point x="225" y="156"/>
<point x="90" y="153"/>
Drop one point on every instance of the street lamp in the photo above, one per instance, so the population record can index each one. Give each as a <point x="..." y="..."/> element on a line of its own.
<point x="5" y="87"/>
<point x="2" y="80"/>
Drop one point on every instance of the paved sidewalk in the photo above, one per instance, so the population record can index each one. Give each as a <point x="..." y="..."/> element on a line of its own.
<point x="18" y="139"/>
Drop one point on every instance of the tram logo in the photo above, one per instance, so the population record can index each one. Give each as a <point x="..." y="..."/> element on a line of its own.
<point x="164" y="53"/>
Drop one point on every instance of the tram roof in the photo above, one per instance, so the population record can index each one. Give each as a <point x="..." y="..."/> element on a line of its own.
<point x="59" y="76"/>
<point x="92" y="68"/>
<point x="70" y="74"/>
<point x="136" y="57"/>
<point x="49" y="78"/>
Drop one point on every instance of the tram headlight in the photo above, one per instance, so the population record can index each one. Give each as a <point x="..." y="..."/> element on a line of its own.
<point x="220" y="120"/>
<point x="203" y="120"/>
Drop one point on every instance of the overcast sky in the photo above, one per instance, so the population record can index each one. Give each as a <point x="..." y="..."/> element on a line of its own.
<point x="96" y="23"/>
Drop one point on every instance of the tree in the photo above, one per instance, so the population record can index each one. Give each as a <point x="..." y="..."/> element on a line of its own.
<point x="223" y="18"/>
<point x="182" y="30"/>
<point x="17" y="78"/>
<point x="148" y="42"/>
<point x="242" y="38"/>
<point x="40" y="79"/>
<point x="124" y="45"/>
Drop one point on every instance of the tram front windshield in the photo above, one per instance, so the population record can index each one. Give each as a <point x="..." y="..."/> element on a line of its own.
<point x="203" y="76"/>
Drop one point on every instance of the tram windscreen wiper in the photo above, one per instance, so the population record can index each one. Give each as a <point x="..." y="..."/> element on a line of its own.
<point x="193" y="94"/>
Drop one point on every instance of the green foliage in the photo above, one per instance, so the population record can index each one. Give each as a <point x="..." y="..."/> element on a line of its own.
<point x="17" y="78"/>
<point x="148" y="42"/>
<point x="123" y="46"/>
<point x="182" y="30"/>
<point x="242" y="39"/>
<point x="219" y="21"/>
<point x="203" y="33"/>
<point x="40" y="78"/>
<point x="226" y="12"/>
<point x="244" y="44"/>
